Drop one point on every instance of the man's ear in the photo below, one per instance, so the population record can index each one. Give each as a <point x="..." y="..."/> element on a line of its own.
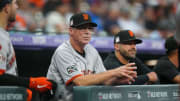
<point x="116" y="46"/>
<point x="70" y="30"/>
<point x="6" y="8"/>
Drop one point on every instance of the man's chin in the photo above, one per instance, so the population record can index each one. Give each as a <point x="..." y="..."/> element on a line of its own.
<point x="86" y="42"/>
<point x="133" y="56"/>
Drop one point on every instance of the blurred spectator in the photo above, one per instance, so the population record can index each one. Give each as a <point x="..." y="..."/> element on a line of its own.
<point x="38" y="3"/>
<point x="83" y="7"/>
<point x="39" y="20"/>
<point x="135" y="9"/>
<point x="126" y="23"/>
<point x="96" y="12"/>
<point x="177" y="34"/>
<point x="51" y="4"/>
<point x="48" y="7"/>
<point x="111" y="21"/>
<point x="156" y="11"/>
<point x="150" y="19"/>
<point x="122" y="3"/>
<point x="165" y="28"/>
<point x="57" y="21"/>
<point x="141" y="16"/>
<point x="21" y="23"/>
<point x="29" y="17"/>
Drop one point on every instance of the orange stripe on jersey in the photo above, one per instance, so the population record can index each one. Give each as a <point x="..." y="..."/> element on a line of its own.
<point x="29" y="94"/>
<point x="2" y="71"/>
<point x="12" y="60"/>
<point x="69" y="81"/>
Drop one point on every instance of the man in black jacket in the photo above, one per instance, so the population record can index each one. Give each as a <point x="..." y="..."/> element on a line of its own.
<point x="125" y="52"/>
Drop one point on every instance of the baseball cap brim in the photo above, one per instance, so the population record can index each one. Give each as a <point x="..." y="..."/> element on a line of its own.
<point x="88" y="22"/>
<point x="137" y="41"/>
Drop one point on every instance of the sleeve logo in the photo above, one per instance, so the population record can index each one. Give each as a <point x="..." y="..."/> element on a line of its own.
<point x="71" y="69"/>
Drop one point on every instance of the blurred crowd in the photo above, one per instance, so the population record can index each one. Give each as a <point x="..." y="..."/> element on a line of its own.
<point x="153" y="19"/>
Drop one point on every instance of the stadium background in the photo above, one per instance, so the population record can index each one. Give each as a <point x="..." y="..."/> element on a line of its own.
<point x="149" y="19"/>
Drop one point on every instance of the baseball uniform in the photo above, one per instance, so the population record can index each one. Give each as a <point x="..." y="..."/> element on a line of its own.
<point x="7" y="54"/>
<point x="67" y="64"/>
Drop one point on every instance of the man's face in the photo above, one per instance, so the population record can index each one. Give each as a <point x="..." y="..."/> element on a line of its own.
<point x="82" y="34"/>
<point x="12" y="11"/>
<point x="127" y="50"/>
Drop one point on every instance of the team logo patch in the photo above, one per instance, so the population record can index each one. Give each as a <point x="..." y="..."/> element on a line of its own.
<point x="71" y="69"/>
<point x="131" y="33"/>
<point x="85" y="16"/>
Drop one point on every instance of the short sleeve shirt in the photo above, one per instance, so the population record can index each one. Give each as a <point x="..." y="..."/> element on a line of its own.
<point x="166" y="70"/>
<point x="67" y="64"/>
<point x="7" y="54"/>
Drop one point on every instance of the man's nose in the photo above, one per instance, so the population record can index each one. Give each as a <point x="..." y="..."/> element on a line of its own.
<point x="88" y="30"/>
<point x="133" y="45"/>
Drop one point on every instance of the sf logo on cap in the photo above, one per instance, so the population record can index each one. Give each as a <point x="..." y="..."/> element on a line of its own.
<point x="85" y="16"/>
<point x="131" y="33"/>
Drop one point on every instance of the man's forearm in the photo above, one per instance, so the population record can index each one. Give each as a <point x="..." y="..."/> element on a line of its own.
<point x="126" y="71"/>
<point x="176" y="79"/>
<point x="94" y="79"/>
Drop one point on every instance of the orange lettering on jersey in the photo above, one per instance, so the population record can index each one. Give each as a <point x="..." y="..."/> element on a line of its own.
<point x="2" y="71"/>
<point x="85" y="16"/>
<point x="12" y="60"/>
<point x="131" y="33"/>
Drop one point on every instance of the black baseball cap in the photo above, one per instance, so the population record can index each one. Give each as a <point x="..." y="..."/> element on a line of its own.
<point x="126" y="36"/>
<point x="4" y="2"/>
<point x="171" y="44"/>
<point x="80" y="19"/>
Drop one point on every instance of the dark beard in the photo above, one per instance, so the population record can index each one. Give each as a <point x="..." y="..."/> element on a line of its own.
<point x="126" y="57"/>
<point x="11" y="19"/>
